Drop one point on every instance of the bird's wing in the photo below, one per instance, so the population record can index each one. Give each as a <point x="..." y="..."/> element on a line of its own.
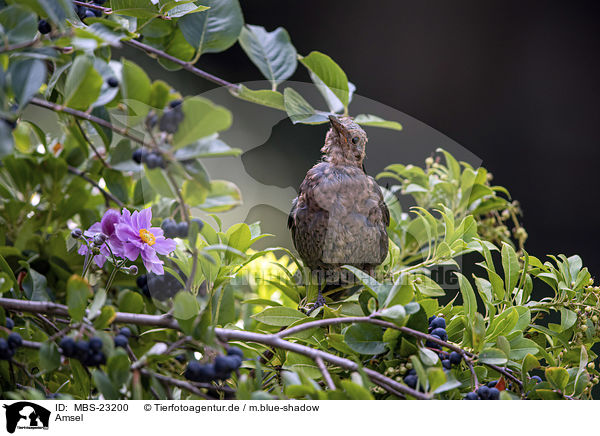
<point x="308" y="223"/>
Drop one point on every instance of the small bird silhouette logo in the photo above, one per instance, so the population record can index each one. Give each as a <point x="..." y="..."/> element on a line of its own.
<point x="340" y="217"/>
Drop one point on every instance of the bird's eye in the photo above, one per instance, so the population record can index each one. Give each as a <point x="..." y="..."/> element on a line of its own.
<point x="355" y="140"/>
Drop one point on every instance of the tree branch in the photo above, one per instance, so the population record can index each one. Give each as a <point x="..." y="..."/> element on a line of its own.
<point x="107" y="195"/>
<point x="325" y="372"/>
<point x="185" y="65"/>
<point x="225" y="335"/>
<point x="85" y="116"/>
<point x="104" y="10"/>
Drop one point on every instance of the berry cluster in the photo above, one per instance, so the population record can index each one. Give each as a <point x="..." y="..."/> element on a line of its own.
<point x="220" y="369"/>
<point x="437" y="328"/>
<point x="122" y="338"/>
<point x="152" y="159"/>
<point x="485" y="392"/>
<point x="89" y="353"/>
<point x="9" y="346"/>
<point x="174" y="229"/>
<point x="171" y="117"/>
<point x="84" y="12"/>
<point x="161" y="287"/>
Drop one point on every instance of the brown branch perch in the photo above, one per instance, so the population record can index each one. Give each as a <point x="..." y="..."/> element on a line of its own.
<point x="224" y="335"/>
<point x="85" y="116"/>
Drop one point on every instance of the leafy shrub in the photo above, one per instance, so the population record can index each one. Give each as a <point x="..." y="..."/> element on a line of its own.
<point x="89" y="311"/>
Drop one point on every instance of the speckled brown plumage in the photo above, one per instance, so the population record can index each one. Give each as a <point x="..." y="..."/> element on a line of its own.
<point x="340" y="217"/>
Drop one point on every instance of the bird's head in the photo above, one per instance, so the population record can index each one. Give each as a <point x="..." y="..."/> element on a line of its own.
<point x="345" y="142"/>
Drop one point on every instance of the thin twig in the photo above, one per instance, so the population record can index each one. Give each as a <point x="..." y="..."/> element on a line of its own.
<point x="226" y="335"/>
<point x="107" y="195"/>
<point x="185" y="65"/>
<point x="107" y="11"/>
<point x="175" y="382"/>
<point x="91" y="144"/>
<point x="18" y="46"/>
<point x="85" y="116"/>
<point x="325" y="372"/>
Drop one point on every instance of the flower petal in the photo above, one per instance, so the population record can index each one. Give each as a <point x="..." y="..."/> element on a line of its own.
<point x="145" y="218"/>
<point x="94" y="228"/>
<point x="109" y="220"/>
<point x="126" y="233"/>
<point x="164" y="246"/>
<point x="130" y="251"/>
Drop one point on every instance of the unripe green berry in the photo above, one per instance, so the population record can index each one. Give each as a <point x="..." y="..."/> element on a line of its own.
<point x="591" y="365"/>
<point x="588" y="309"/>
<point x="584" y="328"/>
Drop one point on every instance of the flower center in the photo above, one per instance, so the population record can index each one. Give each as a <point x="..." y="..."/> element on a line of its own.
<point x="147" y="237"/>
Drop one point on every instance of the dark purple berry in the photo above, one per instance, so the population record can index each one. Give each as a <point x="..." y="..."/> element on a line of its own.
<point x="494" y="394"/>
<point x="112" y="82"/>
<point x="471" y="396"/>
<point x="483" y="392"/>
<point x="455" y="358"/>
<point x="14" y="340"/>
<point x="182" y="229"/>
<point x="10" y="324"/>
<point x="441" y="333"/>
<point x="95" y="344"/>
<point x="411" y="381"/>
<point x="537" y="379"/>
<point x="67" y="345"/>
<point x="121" y="341"/>
<point x="44" y="27"/>
<point x="174" y="103"/>
<point x="438" y="322"/>
<point x="235" y="351"/>
<point x="446" y="364"/>
<point x="125" y="331"/>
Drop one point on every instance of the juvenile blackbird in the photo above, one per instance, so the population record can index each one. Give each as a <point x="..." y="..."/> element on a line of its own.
<point x="339" y="217"/>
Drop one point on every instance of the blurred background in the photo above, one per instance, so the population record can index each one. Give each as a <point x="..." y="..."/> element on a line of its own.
<point x="515" y="83"/>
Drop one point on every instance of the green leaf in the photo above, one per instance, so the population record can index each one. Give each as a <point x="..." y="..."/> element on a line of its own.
<point x="26" y="78"/>
<point x="299" y="110"/>
<point x="185" y="306"/>
<point x="568" y="318"/>
<point x="215" y="29"/>
<point x="279" y="316"/>
<point x="583" y="361"/>
<point x="222" y="196"/>
<point x="135" y="88"/>
<point x="557" y="377"/>
<point x="134" y="8"/>
<point x="116" y="183"/>
<point x="83" y="83"/>
<point x="529" y="363"/>
<point x="355" y="391"/>
<point x="193" y="192"/>
<point x="118" y="367"/>
<point x="49" y="356"/>
<point x="520" y="347"/>
<point x="469" y="300"/>
<point x="211" y="146"/>
<point x="265" y="97"/>
<point x="428" y="357"/>
<point x="395" y="314"/>
<point x="78" y="291"/>
<point x="104" y="385"/>
<point x="493" y="356"/>
<point x="201" y="118"/>
<point x="511" y="267"/>
<point x="365" y="338"/>
<point x="502" y="324"/>
<point x="428" y="287"/>
<point x="372" y="120"/>
<point x="272" y="52"/>
<point x="106" y="317"/>
<point x="17" y="24"/>
<point x="130" y="301"/>
<point x="329" y="73"/>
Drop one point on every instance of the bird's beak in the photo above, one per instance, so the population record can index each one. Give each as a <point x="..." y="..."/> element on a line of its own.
<point x="337" y="125"/>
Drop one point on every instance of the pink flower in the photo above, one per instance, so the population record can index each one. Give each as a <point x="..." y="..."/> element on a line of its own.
<point x="138" y="237"/>
<point x="106" y="226"/>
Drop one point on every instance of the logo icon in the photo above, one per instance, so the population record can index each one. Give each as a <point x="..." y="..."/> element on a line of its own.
<point x="26" y="415"/>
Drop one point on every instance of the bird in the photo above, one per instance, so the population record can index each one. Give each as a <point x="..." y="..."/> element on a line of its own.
<point x="339" y="216"/>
